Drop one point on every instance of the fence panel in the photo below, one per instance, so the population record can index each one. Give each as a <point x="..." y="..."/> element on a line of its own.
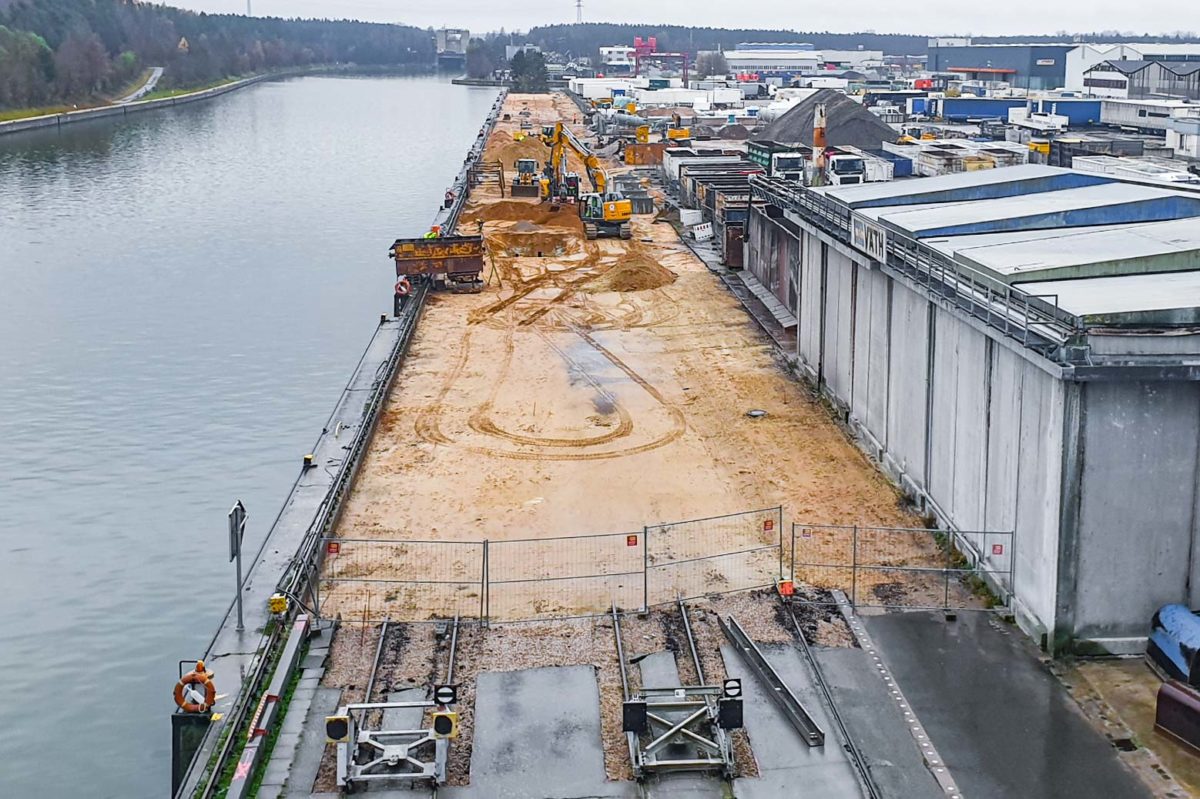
<point x="736" y="552"/>
<point x="368" y="579"/>
<point x="541" y="578"/>
<point x="905" y="567"/>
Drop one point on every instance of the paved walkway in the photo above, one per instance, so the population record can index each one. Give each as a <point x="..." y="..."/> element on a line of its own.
<point x="144" y="89"/>
<point x="784" y="760"/>
<point x="1002" y="722"/>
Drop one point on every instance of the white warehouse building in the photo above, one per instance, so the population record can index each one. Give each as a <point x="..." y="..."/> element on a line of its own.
<point x="1019" y="349"/>
<point x="789" y="57"/>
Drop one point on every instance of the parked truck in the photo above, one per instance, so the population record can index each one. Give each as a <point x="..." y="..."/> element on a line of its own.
<point x="843" y="165"/>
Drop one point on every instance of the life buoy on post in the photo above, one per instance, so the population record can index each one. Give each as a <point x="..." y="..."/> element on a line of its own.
<point x="403" y="287"/>
<point x="185" y="700"/>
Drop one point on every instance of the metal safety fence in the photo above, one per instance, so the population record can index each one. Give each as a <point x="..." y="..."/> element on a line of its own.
<point x="540" y="578"/>
<point x="584" y="575"/>
<point x="897" y="567"/>
<point x="372" y="579"/>
<point x="713" y="555"/>
<point x="550" y="578"/>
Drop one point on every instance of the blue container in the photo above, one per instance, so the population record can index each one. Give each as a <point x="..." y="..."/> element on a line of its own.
<point x="1175" y="641"/>
<point x="901" y="166"/>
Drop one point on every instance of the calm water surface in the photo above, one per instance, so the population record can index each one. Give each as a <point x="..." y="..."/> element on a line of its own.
<point x="182" y="297"/>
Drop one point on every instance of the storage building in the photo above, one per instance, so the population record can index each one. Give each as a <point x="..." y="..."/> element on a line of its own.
<point x="1020" y="349"/>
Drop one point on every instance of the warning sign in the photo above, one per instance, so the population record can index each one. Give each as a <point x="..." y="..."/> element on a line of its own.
<point x="997" y="549"/>
<point x="631" y="540"/>
<point x="332" y="548"/>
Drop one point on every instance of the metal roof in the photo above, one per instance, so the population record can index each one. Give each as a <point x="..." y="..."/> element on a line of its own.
<point x="1090" y="252"/>
<point x="1110" y="251"/>
<point x="1107" y="203"/>
<point x="1127" y="299"/>
<point x="963" y="186"/>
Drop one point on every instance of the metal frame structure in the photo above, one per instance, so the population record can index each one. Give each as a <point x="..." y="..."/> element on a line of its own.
<point x="773" y="685"/>
<point x="368" y="755"/>
<point x="686" y="718"/>
<point x="682" y="722"/>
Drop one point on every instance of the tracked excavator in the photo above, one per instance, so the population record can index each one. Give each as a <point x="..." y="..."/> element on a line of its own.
<point x="604" y="211"/>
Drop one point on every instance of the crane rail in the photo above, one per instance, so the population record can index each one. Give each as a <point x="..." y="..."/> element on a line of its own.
<point x="775" y="687"/>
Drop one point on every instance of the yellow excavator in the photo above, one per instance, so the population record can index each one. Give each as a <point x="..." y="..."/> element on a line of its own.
<point x="604" y="212"/>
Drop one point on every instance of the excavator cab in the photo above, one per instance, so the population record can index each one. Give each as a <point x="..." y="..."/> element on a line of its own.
<point x="606" y="215"/>
<point x="570" y="186"/>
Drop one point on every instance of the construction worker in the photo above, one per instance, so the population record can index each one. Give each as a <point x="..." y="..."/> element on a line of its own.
<point x="435" y="232"/>
<point x="449" y="198"/>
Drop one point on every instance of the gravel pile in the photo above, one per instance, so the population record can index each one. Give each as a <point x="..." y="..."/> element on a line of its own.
<point x="847" y="123"/>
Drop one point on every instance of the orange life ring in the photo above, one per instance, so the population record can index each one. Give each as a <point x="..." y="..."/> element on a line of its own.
<point x="197" y="676"/>
<point x="403" y="287"/>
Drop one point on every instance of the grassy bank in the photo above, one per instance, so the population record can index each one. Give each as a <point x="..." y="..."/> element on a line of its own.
<point x="163" y="94"/>
<point x="25" y="113"/>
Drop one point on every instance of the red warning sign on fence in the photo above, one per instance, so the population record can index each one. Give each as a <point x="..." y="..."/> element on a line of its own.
<point x="631" y="540"/>
<point x="332" y="547"/>
<point x="768" y="525"/>
<point x="997" y="549"/>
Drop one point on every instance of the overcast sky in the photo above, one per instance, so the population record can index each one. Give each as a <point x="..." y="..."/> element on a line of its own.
<point x="942" y="17"/>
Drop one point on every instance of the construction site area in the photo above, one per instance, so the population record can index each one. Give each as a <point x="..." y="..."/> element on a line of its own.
<point x="602" y="541"/>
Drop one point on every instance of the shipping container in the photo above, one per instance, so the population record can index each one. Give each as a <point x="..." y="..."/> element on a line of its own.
<point x="1146" y="115"/>
<point x="901" y="166"/>
<point x="1079" y="112"/>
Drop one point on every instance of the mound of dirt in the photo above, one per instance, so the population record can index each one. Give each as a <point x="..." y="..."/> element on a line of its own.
<point x="501" y="145"/>
<point x="522" y="211"/>
<point x="634" y="273"/>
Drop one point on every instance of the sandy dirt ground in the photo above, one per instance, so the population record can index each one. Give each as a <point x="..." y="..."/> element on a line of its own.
<point x="592" y="390"/>
<point x="1119" y="696"/>
<point x="593" y="387"/>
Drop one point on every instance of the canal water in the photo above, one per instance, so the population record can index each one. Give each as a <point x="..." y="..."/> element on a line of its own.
<point x="183" y="296"/>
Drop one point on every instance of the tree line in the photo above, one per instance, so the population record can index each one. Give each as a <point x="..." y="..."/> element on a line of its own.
<point x="67" y="51"/>
<point x="588" y="38"/>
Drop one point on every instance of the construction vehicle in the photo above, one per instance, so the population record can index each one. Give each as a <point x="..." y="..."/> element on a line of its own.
<point x="525" y="182"/>
<point x="444" y="261"/>
<point x="676" y="131"/>
<point x="603" y="211"/>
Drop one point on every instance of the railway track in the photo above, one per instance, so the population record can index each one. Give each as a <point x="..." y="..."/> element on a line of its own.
<point x="383" y="719"/>
<point x="857" y="760"/>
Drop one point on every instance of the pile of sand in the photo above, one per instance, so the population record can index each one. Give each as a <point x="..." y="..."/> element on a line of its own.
<point x="533" y="212"/>
<point x="502" y="146"/>
<point x="635" y="272"/>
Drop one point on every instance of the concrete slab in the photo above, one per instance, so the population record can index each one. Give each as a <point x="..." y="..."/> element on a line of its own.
<point x="1003" y="724"/>
<point x="404" y="718"/>
<point x="659" y="670"/>
<point x="784" y="760"/>
<point x="875" y="724"/>
<point x="312" y="743"/>
<point x="537" y="735"/>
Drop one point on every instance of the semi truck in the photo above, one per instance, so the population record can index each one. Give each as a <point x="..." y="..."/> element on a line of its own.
<point x="843" y="165"/>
